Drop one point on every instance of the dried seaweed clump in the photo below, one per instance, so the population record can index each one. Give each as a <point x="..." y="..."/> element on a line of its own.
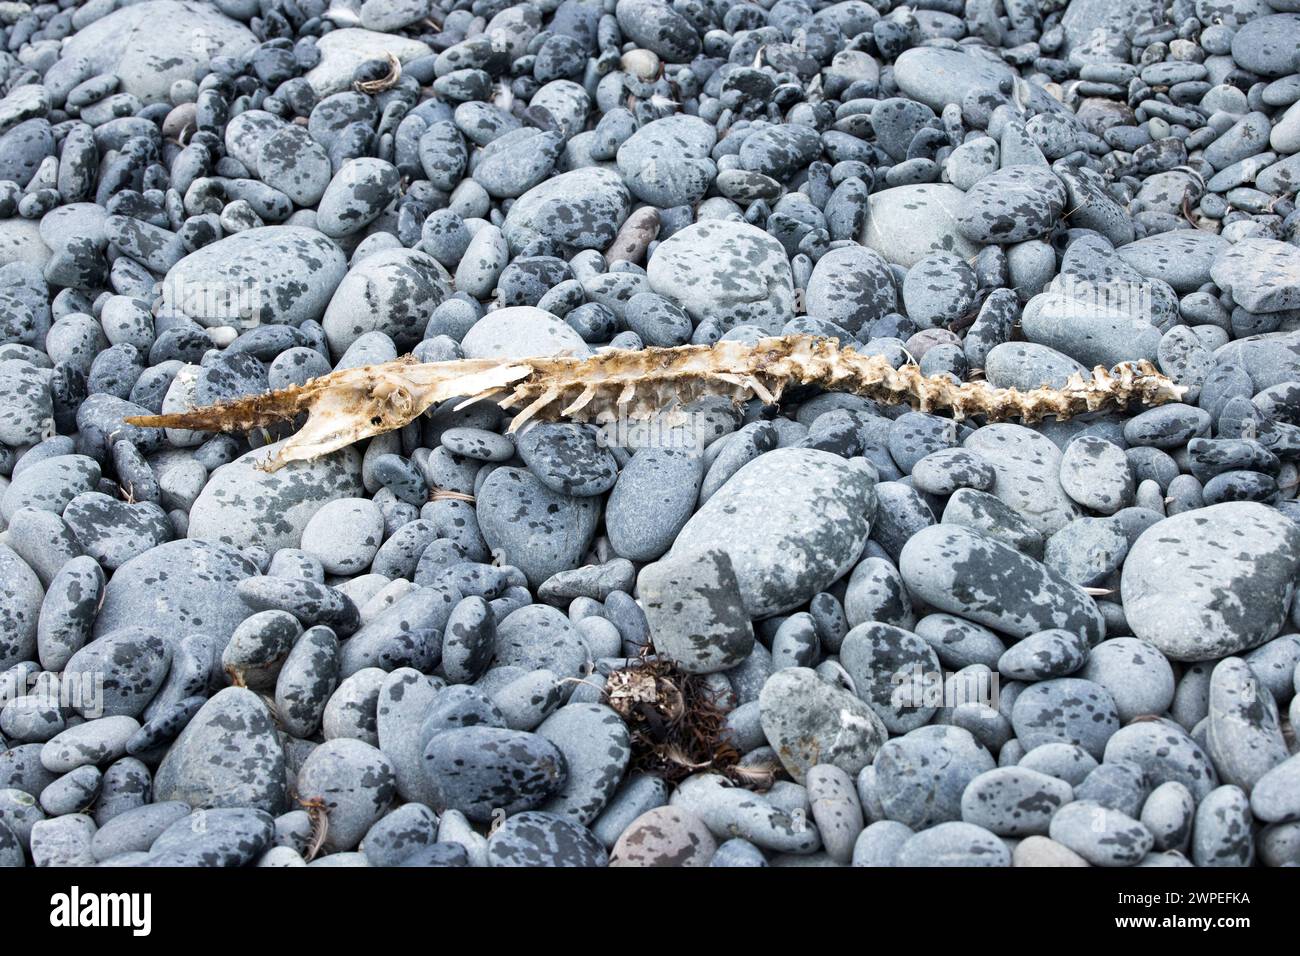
<point x="676" y="722"/>
<point x="349" y="405"/>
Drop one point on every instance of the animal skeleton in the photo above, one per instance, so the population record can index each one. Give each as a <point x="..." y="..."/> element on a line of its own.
<point x="348" y="405"/>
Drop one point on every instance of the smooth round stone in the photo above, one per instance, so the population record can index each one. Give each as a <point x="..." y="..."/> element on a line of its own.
<point x="580" y="209"/>
<point x="21" y="597"/>
<point x="852" y="287"/>
<point x="1041" y="851"/>
<point x="731" y="272"/>
<point x="1102" y="836"/>
<point x="953" y="843"/>
<point x="664" y="836"/>
<point x="1028" y="469"/>
<point x="876" y="593"/>
<point x="539" y="637"/>
<point x="1096" y="474"/>
<point x="1267" y="45"/>
<point x="1182" y="257"/>
<point x="960" y="643"/>
<point x="937" y="76"/>
<point x="136" y="830"/>
<point x="353" y="783"/>
<point x="1222" y="831"/>
<point x="652" y="499"/>
<point x="1065" y="710"/>
<point x="666" y="162"/>
<point x="907" y="223"/>
<point x="49" y="484"/>
<point x="809" y="722"/>
<point x="1276" y="795"/>
<point x="555" y="534"/>
<point x="1211" y="582"/>
<point x="1015" y="594"/>
<point x="291" y="161"/>
<point x="521" y="332"/>
<point x="944" y="471"/>
<point x="792" y="521"/>
<point x="1134" y="673"/>
<point x="537" y="839"/>
<point x="279" y="274"/>
<point x="394" y="291"/>
<point x="244" y="505"/>
<point x="228" y="756"/>
<point x="178" y="587"/>
<point x="1014" y="801"/>
<point x="129" y="666"/>
<point x="878" y="844"/>
<point x="1041" y="656"/>
<point x="1166" y="752"/>
<point x="1168" y="813"/>
<point x="890" y="667"/>
<point x="230" y="836"/>
<point x="836" y="810"/>
<point x="568" y="458"/>
<point x="1068" y="762"/>
<point x="938" y="290"/>
<point x="478" y="443"/>
<point x="1029" y="365"/>
<point x="921" y="776"/>
<point x="694" y="612"/>
<point x="1244" y="732"/>
<point x="344" y="535"/>
<point x="1014" y="204"/>
<point x="596" y="747"/>
<point x="132" y="44"/>
<point x="97" y="741"/>
<point x="1261" y="274"/>
<point x="477" y="770"/>
<point x="410" y="828"/>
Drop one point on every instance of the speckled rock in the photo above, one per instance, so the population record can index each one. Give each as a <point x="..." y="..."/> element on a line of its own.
<point x="808" y="721"/>
<point x="792" y="521"/>
<point x="1211" y="582"/>
<point x="731" y="272"/>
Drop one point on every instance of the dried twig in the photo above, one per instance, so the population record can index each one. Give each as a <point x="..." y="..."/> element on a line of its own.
<point x="349" y="405"/>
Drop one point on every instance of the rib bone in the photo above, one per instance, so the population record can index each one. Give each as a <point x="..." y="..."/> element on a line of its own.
<point x="346" y="406"/>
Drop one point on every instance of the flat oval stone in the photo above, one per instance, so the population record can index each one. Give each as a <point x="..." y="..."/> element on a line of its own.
<point x="540" y="531"/>
<point x="1028" y="467"/>
<point x="792" y="520"/>
<point x="596" y="747"/>
<point x="664" y="836"/>
<point x="954" y="569"/>
<point x="284" y="274"/>
<point x="1244" y="732"/>
<point x="1065" y="710"/>
<point x="1166" y="752"/>
<point x="808" y="721"/>
<point x="731" y="272"/>
<point x="1211" y="582"/>
<point x="1014" y="801"/>
<point x="228" y="756"/>
<point x="477" y="770"/>
<point x="921" y="776"/>
<point x="1102" y="836"/>
<point x="534" y="838"/>
<point x="953" y="844"/>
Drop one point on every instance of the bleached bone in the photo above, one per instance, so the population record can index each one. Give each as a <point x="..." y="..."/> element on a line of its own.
<point x="346" y="406"/>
